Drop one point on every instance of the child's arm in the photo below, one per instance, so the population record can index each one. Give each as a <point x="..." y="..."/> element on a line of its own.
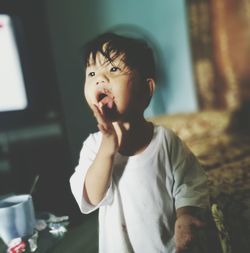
<point x="99" y="174"/>
<point x="186" y="226"/>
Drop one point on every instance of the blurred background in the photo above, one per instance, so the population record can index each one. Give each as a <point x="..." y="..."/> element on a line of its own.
<point x="203" y="57"/>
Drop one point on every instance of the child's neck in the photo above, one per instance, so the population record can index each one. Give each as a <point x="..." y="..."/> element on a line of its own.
<point x="133" y="136"/>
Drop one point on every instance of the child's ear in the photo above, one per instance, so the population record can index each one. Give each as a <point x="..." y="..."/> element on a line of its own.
<point x="151" y="86"/>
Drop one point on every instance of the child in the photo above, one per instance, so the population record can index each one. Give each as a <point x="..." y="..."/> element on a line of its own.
<point x="144" y="180"/>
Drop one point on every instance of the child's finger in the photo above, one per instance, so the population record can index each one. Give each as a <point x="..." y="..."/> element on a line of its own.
<point x="105" y="129"/>
<point x="104" y="125"/>
<point x="95" y="109"/>
<point x="99" y="117"/>
<point x="102" y="128"/>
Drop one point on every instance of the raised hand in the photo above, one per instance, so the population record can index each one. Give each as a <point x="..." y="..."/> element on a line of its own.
<point x="106" y="127"/>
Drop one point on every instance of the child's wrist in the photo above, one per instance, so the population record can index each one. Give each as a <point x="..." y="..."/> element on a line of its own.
<point x="108" y="147"/>
<point x="107" y="153"/>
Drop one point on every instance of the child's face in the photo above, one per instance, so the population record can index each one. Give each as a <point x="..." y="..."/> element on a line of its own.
<point x="113" y="87"/>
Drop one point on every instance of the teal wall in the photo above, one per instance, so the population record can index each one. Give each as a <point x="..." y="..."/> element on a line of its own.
<point x="165" y="21"/>
<point x="74" y="22"/>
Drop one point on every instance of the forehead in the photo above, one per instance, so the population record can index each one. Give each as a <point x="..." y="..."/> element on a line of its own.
<point x="105" y="53"/>
<point x="102" y="59"/>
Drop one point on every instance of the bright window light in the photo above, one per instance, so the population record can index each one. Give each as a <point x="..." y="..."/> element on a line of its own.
<point x="12" y="88"/>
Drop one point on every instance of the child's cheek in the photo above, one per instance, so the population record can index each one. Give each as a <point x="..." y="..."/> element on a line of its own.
<point x="88" y="94"/>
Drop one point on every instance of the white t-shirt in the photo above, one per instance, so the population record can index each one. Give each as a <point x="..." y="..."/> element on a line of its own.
<point x="137" y="213"/>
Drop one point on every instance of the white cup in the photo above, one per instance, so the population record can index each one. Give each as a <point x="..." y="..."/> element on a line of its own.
<point x="17" y="218"/>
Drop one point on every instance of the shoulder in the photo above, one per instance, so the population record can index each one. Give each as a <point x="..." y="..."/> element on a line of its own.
<point x="171" y="140"/>
<point x="166" y="134"/>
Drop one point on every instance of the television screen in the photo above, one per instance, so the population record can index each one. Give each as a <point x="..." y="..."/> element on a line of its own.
<point x="13" y="96"/>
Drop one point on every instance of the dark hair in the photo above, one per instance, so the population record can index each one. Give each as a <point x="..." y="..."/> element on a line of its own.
<point x="137" y="54"/>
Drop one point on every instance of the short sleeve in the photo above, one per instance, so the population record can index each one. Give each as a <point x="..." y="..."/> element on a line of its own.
<point x="87" y="156"/>
<point x="190" y="181"/>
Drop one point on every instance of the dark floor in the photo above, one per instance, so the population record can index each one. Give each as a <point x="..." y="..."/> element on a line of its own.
<point x="80" y="239"/>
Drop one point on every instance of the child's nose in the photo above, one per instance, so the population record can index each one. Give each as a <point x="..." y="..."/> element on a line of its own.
<point x="101" y="79"/>
<point x="98" y="82"/>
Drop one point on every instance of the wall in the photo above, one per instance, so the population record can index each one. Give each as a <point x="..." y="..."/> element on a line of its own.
<point x="72" y="23"/>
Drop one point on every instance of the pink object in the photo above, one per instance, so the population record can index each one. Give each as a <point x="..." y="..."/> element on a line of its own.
<point x="17" y="246"/>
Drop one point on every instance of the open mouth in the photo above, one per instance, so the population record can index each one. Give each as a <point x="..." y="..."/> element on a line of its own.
<point x="105" y="99"/>
<point x="101" y="96"/>
<point x="106" y="103"/>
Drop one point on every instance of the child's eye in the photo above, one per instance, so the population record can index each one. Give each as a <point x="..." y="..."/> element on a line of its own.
<point x="114" y="69"/>
<point x="91" y="73"/>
